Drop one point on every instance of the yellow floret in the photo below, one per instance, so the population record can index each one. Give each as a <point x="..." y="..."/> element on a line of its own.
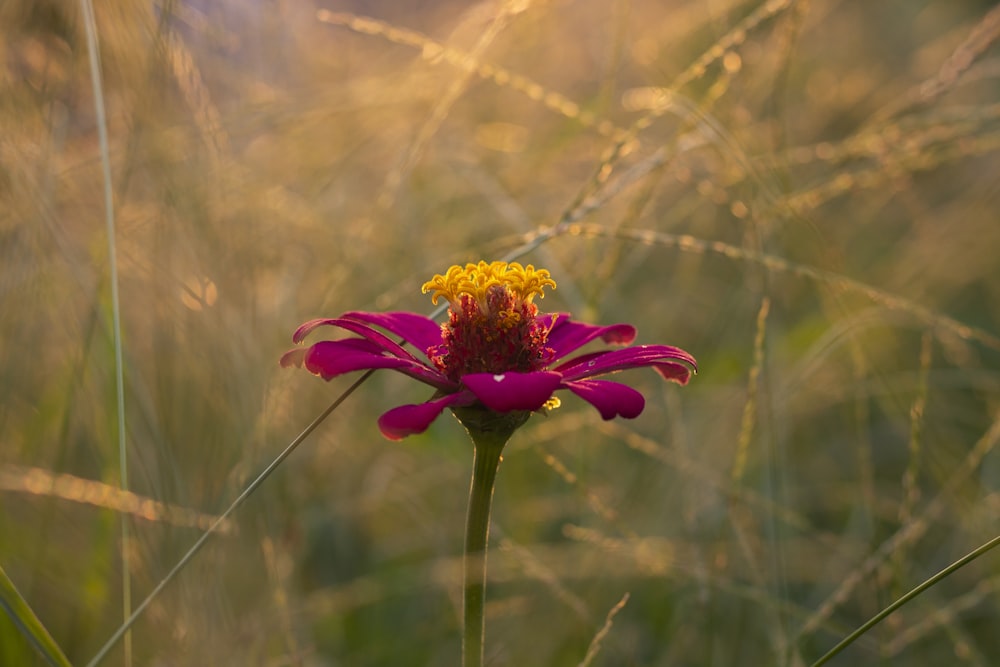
<point x="475" y="280"/>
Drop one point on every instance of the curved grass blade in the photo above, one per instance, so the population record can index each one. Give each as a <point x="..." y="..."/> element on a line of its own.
<point x="877" y="618"/>
<point x="25" y="620"/>
<point x="222" y="519"/>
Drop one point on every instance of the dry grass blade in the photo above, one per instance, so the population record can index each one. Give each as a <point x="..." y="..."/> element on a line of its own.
<point x="434" y="51"/>
<point x="907" y="535"/>
<point x="595" y="643"/>
<point x="750" y="408"/>
<point x="40" y="482"/>
<point x="982" y="36"/>
<point x="688" y="243"/>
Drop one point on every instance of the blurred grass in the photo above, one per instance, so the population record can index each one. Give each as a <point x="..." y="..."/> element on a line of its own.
<point x="834" y="160"/>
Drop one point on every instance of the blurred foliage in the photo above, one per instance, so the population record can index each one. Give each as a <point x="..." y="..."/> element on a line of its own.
<point x="802" y="193"/>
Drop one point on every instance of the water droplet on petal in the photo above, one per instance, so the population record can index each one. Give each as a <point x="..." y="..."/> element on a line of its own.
<point x="591" y="363"/>
<point x="499" y="378"/>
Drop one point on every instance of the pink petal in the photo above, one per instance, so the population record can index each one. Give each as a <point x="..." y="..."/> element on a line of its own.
<point x="296" y="356"/>
<point x="612" y="399"/>
<point x="567" y="335"/>
<point x="356" y="327"/>
<point x="419" y="331"/>
<point x="610" y="361"/>
<point x="307" y="327"/>
<point x="406" y="420"/>
<point x="504" y="392"/>
<point x="330" y="358"/>
<point x="365" y="331"/>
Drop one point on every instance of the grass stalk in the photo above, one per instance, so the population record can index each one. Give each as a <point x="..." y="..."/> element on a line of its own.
<point x="94" y="57"/>
<point x="222" y="520"/>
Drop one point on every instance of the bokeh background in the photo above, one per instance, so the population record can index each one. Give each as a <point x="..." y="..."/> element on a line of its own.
<point x="804" y="194"/>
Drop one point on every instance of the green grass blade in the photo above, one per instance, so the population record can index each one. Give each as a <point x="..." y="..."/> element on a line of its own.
<point x="90" y="24"/>
<point x="879" y="617"/>
<point x="24" y="618"/>
<point x="222" y="518"/>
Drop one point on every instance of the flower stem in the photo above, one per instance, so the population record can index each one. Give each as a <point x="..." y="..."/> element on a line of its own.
<point x="488" y="447"/>
<point x="489" y="431"/>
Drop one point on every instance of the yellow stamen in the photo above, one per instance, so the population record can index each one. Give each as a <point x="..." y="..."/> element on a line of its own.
<point x="524" y="282"/>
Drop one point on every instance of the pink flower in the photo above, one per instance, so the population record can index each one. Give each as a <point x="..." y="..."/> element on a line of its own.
<point x="496" y="350"/>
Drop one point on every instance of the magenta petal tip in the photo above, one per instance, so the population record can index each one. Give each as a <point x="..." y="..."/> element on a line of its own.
<point x="406" y="420"/>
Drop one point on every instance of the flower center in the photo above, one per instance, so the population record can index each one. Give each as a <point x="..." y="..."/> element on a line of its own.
<point x="492" y="325"/>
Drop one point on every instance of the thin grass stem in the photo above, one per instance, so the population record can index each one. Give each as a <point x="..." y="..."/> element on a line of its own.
<point x="879" y="617"/>
<point x="93" y="53"/>
<point x="222" y="518"/>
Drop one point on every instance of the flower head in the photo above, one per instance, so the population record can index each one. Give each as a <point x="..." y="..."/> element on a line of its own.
<point x="492" y="322"/>
<point x="496" y="352"/>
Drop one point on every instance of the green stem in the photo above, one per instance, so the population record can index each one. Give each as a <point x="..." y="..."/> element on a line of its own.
<point x="488" y="447"/>
<point x="489" y="431"/>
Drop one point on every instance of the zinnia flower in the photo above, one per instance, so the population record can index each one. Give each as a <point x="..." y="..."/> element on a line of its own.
<point x="495" y="352"/>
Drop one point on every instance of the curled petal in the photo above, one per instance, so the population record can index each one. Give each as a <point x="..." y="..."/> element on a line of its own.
<point x="406" y="420"/>
<point x="330" y="358"/>
<point x="567" y="335"/>
<point x="293" y="358"/>
<point x="612" y="399"/>
<point x="362" y="329"/>
<point x="307" y="328"/>
<point x="678" y="373"/>
<point x="419" y="331"/>
<point x="296" y="356"/>
<point x="505" y="392"/>
<point x="611" y="361"/>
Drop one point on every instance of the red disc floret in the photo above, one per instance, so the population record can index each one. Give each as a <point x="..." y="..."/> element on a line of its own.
<point x="503" y="336"/>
